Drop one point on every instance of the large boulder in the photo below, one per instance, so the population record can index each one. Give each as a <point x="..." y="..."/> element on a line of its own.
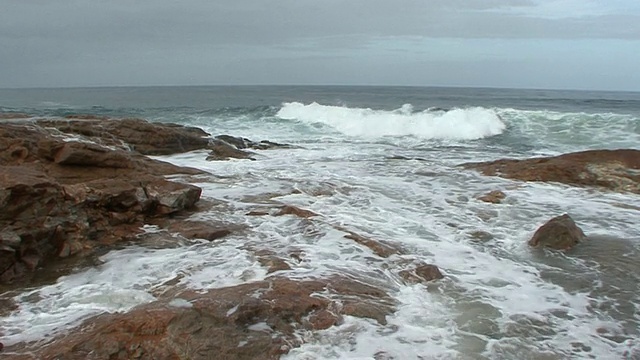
<point x="616" y="170"/>
<point x="257" y="320"/>
<point x="560" y="233"/>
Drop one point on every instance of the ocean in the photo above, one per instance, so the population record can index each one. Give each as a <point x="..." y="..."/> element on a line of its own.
<point x="384" y="161"/>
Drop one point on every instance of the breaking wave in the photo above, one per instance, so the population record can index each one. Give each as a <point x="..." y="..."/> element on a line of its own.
<point x="456" y="124"/>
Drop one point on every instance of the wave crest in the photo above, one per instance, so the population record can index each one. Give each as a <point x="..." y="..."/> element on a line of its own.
<point x="456" y="124"/>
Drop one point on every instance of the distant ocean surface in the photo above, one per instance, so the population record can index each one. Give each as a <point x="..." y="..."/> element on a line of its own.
<point x="385" y="161"/>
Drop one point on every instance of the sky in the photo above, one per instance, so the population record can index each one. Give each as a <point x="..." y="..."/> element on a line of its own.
<point x="543" y="44"/>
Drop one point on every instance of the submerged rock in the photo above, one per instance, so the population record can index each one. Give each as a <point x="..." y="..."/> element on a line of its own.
<point x="494" y="197"/>
<point x="616" y="170"/>
<point x="422" y="273"/>
<point x="560" y="233"/>
<point x="249" y="321"/>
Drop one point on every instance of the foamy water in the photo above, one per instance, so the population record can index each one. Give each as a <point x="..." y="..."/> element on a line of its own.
<point x="499" y="299"/>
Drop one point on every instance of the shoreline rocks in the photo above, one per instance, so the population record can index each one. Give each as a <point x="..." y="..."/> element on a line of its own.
<point x="258" y="320"/>
<point x="615" y="170"/>
<point x="64" y="194"/>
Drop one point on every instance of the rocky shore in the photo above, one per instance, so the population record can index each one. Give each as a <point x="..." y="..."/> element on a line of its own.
<point x="75" y="187"/>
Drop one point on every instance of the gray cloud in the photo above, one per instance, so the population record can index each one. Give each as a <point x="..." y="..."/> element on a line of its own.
<point x="79" y="42"/>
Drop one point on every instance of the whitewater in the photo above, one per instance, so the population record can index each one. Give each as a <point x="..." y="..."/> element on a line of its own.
<point x="384" y="162"/>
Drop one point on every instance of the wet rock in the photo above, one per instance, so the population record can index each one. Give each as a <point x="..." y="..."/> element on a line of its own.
<point x="220" y="150"/>
<point x="64" y="198"/>
<point x="379" y="248"/>
<point x="616" y="170"/>
<point x="271" y="261"/>
<point x="87" y="154"/>
<point x="480" y="235"/>
<point x="200" y="229"/>
<point x="249" y="321"/>
<point x="244" y="143"/>
<point x="142" y="136"/>
<point x="494" y="197"/>
<point x="293" y="210"/>
<point x="559" y="233"/>
<point x="169" y="197"/>
<point x="421" y="273"/>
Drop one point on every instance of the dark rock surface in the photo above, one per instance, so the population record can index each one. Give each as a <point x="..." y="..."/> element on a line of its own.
<point x="560" y="233"/>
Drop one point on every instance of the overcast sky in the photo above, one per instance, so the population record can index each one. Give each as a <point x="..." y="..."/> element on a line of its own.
<point x="566" y="44"/>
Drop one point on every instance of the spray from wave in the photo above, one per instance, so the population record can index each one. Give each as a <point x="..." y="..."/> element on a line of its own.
<point x="456" y="124"/>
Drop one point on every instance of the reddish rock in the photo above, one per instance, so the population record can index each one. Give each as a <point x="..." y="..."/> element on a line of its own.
<point x="200" y="229"/>
<point x="494" y="197"/>
<point x="59" y="199"/>
<point x="560" y="233"/>
<point x="293" y="210"/>
<point x="244" y="143"/>
<point x="142" y="136"/>
<point x="378" y="247"/>
<point x="616" y="170"/>
<point x="249" y="321"/>
<point x="422" y="273"/>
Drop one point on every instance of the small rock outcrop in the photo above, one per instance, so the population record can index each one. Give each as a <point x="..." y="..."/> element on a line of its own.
<point x="250" y="321"/>
<point x="422" y="273"/>
<point x="615" y="170"/>
<point x="494" y="197"/>
<point x="560" y="233"/>
<point x="225" y="147"/>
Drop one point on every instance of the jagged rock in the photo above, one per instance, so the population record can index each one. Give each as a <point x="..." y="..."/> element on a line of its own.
<point x="87" y="154"/>
<point x="616" y="170"/>
<point x="221" y="150"/>
<point x="422" y="273"/>
<point x="378" y="247"/>
<point x="200" y="230"/>
<point x="250" y="321"/>
<point x="142" y="136"/>
<point x="494" y="197"/>
<point x="560" y="233"/>
<point x="244" y="143"/>
<point x="62" y="198"/>
<point x="293" y="210"/>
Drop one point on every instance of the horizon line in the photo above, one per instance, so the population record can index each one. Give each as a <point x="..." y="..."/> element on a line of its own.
<point x="313" y="85"/>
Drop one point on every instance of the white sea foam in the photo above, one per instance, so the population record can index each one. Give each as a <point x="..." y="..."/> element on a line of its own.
<point x="456" y="124"/>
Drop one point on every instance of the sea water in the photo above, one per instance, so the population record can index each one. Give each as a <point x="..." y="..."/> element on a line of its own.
<point x="383" y="162"/>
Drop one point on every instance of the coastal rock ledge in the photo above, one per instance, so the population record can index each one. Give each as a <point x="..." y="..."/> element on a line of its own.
<point x="615" y="170"/>
<point x="70" y="186"/>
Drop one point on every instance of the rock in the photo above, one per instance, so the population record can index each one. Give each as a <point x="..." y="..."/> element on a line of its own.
<point x="494" y="197"/>
<point x="169" y="197"/>
<point x="142" y="136"/>
<point x="244" y="143"/>
<point x="615" y="170"/>
<point x="293" y="210"/>
<point x="257" y="320"/>
<point x="480" y="235"/>
<point x="200" y="230"/>
<point x="13" y="115"/>
<point x="220" y="150"/>
<point x="61" y="199"/>
<point x="379" y="248"/>
<point x="560" y="233"/>
<point x="422" y="273"/>
<point x="87" y="154"/>
<point x="271" y="261"/>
